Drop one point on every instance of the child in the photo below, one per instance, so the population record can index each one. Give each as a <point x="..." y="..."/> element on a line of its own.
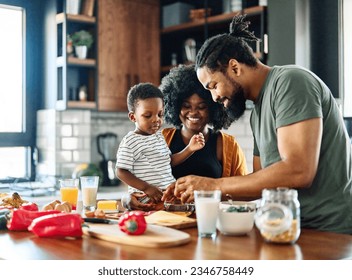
<point x="143" y="157"/>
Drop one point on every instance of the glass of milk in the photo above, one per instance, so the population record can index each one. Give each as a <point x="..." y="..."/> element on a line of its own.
<point x="89" y="187"/>
<point x="207" y="204"/>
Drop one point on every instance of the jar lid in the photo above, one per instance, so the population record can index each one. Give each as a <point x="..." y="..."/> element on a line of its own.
<point x="274" y="218"/>
<point x="279" y="194"/>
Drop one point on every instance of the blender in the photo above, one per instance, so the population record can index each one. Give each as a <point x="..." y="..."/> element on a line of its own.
<point x="107" y="145"/>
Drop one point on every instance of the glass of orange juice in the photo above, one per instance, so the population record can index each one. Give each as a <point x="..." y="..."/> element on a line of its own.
<point x="69" y="191"/>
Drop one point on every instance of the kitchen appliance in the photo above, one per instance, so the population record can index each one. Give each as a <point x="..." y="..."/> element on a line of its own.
<point x="107" y="145"/>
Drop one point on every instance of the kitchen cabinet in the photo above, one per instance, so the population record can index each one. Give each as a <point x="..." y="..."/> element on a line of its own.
<point x="74" y="73"/>
<point x="173" y="38"/>
<point x="128" y="49"/>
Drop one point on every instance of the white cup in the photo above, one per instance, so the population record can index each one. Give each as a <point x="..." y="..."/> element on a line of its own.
<point x="207" y="204"/>
<point x="89" y="186"/>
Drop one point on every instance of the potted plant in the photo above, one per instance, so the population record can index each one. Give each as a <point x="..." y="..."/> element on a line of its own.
<point x="82" y="40"/>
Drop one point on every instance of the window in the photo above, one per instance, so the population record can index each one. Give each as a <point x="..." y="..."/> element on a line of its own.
<point x="11" y="70"/>
<point x="14" y="153"/>
<point x="346" y="45"/>
<point x="10" y="157"/>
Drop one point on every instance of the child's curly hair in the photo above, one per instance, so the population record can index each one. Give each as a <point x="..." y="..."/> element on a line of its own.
<point x="181" y="83"/>
<point x="142" y="91"/>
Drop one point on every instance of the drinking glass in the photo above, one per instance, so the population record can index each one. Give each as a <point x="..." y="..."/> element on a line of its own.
<point x="89" y="186"/>
<point x="207" y="204"/>
<point x="69" y="191"/>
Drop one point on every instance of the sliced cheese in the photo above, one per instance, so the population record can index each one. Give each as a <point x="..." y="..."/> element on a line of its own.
<point x="163" y="217"/>
<point x="107" y="205"/>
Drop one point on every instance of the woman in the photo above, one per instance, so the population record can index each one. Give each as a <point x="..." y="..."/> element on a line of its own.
<point x="190" y="109"/>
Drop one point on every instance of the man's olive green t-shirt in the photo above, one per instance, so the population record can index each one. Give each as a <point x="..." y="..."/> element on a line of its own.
<point x="293" y="94"/>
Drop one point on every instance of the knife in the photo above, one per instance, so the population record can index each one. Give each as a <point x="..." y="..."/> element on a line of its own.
<point x="100" y="221"/>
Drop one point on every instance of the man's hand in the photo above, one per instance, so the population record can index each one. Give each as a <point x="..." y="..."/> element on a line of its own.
<point x="168" y="195"/>
<point x="185" y="186"/>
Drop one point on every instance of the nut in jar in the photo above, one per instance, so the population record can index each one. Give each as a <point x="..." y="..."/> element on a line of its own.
<point x="278" y="217"/>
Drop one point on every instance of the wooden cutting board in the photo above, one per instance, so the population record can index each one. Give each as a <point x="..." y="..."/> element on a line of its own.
<point x="167" y="219"/>
<point x="154" y="237"/>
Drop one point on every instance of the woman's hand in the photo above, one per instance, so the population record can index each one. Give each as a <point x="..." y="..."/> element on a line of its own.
<point x="185" y="186"/>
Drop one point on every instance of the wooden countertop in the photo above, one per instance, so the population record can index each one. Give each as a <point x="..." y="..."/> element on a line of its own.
<point x="112" y="192"/>
<point x="312" y="245"/>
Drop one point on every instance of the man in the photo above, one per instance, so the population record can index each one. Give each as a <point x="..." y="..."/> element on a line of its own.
<point x="300" y="140"/>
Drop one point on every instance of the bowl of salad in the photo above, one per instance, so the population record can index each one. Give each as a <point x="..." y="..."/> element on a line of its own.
<point x="236" y="218"/>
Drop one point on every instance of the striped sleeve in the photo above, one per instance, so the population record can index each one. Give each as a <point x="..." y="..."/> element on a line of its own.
<point x="125" y="158"/>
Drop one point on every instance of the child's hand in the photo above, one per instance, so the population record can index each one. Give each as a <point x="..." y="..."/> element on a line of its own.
<point x="197" y="142"/>
<point x="153" y="193"/>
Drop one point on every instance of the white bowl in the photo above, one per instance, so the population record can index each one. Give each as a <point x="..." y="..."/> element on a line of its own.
<point x="235" y="223"/>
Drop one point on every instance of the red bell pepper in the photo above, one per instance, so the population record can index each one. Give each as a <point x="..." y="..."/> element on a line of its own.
<point x="133" y="223"/>
<point x="30" y="206"/>
<point x="21" y="218"/>
<point x="58" y="225"/>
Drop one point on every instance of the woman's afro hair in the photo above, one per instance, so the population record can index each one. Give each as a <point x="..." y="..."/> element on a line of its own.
<point x="180" y="84"/>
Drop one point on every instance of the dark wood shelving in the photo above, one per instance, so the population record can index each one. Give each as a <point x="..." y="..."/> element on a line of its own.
<point x="167" y="68"/>
<point x="88" y="62"/>
<point x="252" y="11"/>
<point x="72" y="72"/>
<point x="173" y="37"/>
<point x="81" y="104"/>
<point x="74" y="61"/>
<point x="75" y="18"/>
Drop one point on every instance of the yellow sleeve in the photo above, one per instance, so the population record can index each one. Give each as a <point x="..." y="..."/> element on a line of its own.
<point x="234" y="161"/>
<point x="168" y="134"/>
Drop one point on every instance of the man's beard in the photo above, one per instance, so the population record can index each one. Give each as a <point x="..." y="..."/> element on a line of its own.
<point x="237" y="104"/>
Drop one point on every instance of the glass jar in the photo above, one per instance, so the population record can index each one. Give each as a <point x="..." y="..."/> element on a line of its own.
<point x="278" y="217"/>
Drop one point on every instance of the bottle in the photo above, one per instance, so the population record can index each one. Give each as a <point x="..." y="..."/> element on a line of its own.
<point x="83" y="95"/>
<point x="69" y="46"/>
<point x="278" y="217"/>
<point x="173" y="59"/>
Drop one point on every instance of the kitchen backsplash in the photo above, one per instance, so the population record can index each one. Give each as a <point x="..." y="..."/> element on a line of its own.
<point x="68" y="138"/>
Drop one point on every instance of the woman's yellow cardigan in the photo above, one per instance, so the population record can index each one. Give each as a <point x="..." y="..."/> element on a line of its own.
<point x="233" y="159"/>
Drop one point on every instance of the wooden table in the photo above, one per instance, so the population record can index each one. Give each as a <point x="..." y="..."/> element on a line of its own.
<point x="311" y="245"/>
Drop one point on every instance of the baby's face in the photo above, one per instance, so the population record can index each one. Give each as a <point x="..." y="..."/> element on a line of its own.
<point x="148" y="115"/>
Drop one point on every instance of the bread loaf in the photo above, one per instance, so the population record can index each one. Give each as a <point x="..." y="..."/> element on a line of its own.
<point x="64" y="207"/>
<point x="51" y="205"/>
